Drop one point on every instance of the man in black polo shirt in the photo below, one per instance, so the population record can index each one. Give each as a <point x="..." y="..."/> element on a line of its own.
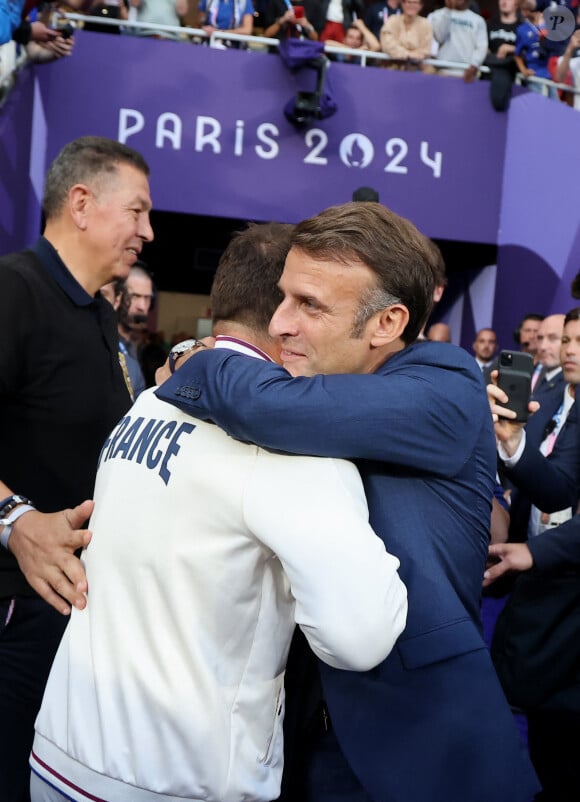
<point x="61" y="391"/>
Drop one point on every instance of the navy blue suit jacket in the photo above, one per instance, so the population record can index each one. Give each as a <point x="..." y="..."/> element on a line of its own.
<point x="550" y="483"/>
<point x="545" y="388"/>
<point x="431" y="722"/>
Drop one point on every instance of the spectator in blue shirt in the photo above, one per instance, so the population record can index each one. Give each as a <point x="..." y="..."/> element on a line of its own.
<point x="236" y="16"/>
<point x="532" y="51"/>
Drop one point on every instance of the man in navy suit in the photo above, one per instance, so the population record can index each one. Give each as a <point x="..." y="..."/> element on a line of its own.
<point x="547" y="446"/>
<point x="431" y="723"/>
<point x="552" y="483"/>
<point x="549" y="337"/>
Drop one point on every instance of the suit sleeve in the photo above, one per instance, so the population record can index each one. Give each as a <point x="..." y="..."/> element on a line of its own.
<point x="422" y="417"/>
<point x="312" y="513"/>
<point x="550" y="483"/>
<point x="558" y="547"/>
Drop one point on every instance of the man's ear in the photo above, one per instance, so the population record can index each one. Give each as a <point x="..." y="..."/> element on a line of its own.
<point x="79" y="198"/>
<point x="390" y="325"/>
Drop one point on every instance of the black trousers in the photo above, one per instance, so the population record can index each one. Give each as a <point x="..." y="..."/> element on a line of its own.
<point x="554" y="742"/>
<point x="30" y="631"/>
<point x="315" y="769"/>
<point x="503" y="73"/>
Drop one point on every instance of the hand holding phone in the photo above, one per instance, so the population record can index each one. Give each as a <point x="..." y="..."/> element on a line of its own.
<point x="515" y="379"/>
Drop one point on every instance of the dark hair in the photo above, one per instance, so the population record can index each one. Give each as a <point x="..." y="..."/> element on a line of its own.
<point x="404" y="261"/>
<point x="439" y="270"/>
<point x="365" y="193"/>
<point x="575" y="286"/>
<point x="518" y="331"/>
<point x="573" y="314"/>
<point x="84" y="161"/>
<point x="245" y="287"/>
<point x="532" y="316"/>
<point x="139" y="268"/>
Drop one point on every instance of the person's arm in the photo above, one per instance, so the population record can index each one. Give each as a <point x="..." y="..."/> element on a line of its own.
<point x="44" y="546"/>
<point x="51" y="50"/>
<point x="389" y="40"/>
<point x="564" y="62"/>
<point x="421" y="416"/>
<point x="370" y="41"/>
<point x="506" y="558"/>
<point x="350" y="602"/>
<point x="308" y="29"/>
<point x="481" y="44"/>
<point x="558" y="548"/>
<point x="550" y="484"/>
<point x="505" y="50"/>
<point x="424" y="43"/>
<point x="441" y="24"/>
<point x="280" y="23"/>
<point x="520" y="61"/>
<point x="246" y="26"/>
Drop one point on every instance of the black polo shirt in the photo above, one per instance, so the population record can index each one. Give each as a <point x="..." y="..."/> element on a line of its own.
<point x="61" y="386"/>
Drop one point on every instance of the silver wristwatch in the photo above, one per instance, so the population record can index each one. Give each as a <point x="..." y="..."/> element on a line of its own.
<point x="183" y="348"/>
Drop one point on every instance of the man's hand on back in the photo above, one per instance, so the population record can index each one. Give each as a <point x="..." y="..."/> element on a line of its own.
<point x="44" y="545"/>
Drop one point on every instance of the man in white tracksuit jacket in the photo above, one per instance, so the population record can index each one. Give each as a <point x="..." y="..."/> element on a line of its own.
<point x="462" y="37"/>
<point x="169" y="686"/>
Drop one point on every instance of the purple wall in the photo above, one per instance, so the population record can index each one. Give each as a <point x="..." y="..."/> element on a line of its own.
<point x="228" y="150"/>
<point x="18" y="205"/>
<point x="539" y="235"/>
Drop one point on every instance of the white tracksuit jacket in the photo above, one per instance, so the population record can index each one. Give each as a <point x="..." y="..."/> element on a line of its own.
<point x="205" y="551"/>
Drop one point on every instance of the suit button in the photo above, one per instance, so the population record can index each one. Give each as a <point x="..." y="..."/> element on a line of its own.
<point x="191" y="393"/>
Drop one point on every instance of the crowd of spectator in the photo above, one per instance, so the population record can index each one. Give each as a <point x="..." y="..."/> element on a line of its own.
<point x="457" y="39"/>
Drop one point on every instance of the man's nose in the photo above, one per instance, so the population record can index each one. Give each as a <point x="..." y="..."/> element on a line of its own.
<point x="280" y="323"/>
<point x="145" y="229"/>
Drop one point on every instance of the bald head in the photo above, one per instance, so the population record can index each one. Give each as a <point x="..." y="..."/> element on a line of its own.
<point x="440" y="332"/>
<point x="549" y="337"/>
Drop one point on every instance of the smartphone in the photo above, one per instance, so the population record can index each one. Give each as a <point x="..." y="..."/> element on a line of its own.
<point x="66" y="31"/>
<point x="515" y="371"/>
<point x="298" y="11"/>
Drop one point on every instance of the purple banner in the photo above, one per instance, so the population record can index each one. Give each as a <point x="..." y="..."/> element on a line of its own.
<point x="211" y="124"/>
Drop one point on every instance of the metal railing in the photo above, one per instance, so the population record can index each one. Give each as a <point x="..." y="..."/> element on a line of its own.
<point x="363" y="58"/>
